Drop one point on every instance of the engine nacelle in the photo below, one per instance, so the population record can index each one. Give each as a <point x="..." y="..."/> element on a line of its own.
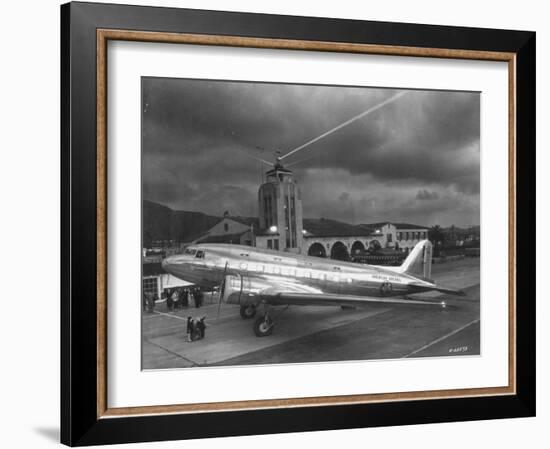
<point x="241" y="290"/>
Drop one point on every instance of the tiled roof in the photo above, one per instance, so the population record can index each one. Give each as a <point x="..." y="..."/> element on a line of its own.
<point x="248" y="221"/>
<point x="408" y="226"/>
<point x="323" y="227"/>
<point x="223" y="238"/>
<point x="397" y="225"/>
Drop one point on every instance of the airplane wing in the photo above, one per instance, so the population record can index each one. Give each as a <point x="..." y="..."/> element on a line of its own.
<point x="324" y="299"/>
<point x="244" y="290"/>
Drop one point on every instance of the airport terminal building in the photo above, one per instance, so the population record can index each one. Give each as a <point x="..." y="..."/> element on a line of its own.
<point x="280" y="225"/>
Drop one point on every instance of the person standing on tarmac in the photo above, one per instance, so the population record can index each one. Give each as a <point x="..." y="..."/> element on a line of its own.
<point x="189" y="327"/>
<point x="169" y="301"/>
<point x="196" y="298"/>
<point x="184" y="297"/>
<point x="150" y="302"/>
<point x="201" y="326"/>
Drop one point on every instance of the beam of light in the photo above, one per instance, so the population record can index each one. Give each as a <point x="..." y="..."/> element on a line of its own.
<point x="347" y="122"/>
<point x="260" y="159"/>
<point x="256" y="158"/>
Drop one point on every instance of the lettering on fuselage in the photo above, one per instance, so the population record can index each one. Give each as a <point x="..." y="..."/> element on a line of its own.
<point x="386" y="278"/>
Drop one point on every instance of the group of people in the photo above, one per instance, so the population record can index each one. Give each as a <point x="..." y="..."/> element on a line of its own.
<point x="178" y="298"/>
<point x="196" y="329"/>
<point x="148" y="302"/>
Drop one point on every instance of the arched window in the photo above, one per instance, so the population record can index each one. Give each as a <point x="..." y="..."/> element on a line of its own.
<point x="357" y="247"/>
<point x="317" y="250"/>
<point x="339" y="251"/>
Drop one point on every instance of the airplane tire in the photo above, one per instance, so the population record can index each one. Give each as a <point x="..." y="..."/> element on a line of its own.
<point x="248" y="312"/>
<point x="263" y="326"/>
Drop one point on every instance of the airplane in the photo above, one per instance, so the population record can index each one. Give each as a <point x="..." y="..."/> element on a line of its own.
<point x="255" y="277"/>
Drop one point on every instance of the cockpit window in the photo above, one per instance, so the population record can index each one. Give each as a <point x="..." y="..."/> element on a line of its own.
<point x="199" y="255"/>
<point x="190" y="251"/>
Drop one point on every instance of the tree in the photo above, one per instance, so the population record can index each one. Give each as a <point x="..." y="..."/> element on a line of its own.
<point x="436" y="236"/>
<point x="147" y="239"/>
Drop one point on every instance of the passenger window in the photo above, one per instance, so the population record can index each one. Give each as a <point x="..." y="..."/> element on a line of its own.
<point x="199" y="255"/>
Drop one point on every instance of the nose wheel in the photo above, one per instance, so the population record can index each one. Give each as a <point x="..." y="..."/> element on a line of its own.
<point x="263" y="326"/>
<point x="248" y="312"/>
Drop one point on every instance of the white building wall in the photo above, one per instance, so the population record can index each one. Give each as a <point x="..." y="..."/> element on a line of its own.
<point x="227" y="226"/>
<point x="408" y="238"/>
<point x="329" y="242"/>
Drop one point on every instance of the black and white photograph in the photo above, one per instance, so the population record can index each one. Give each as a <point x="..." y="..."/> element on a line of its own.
<point x="293" y="223"/>
<point x="287" y="223"/>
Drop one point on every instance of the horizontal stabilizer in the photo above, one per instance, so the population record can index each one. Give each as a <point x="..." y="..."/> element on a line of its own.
<point x="435" y="288"/>
<point x="450" y="291"/>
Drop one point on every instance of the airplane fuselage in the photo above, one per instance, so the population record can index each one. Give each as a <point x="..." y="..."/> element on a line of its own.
<point x="207" y="264"/>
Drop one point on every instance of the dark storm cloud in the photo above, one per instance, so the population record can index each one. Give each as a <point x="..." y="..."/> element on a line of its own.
<point x="424" y="194"/>
<point x="200" y="137"/>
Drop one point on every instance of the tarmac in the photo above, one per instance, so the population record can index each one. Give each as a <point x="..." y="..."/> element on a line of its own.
<point x="322" y="334"/>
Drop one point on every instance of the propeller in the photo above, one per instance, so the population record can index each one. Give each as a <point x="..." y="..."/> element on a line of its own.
<point x="222" y="289"/>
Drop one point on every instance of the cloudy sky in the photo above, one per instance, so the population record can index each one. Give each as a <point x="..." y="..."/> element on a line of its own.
<point x="415" y="159"/>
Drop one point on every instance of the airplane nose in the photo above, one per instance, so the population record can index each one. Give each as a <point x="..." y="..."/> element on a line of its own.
<point x="171" y="262"/>
<point x="168" y="263"/>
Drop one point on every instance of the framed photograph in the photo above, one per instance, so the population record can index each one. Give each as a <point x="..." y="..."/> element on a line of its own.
<point x="282" y="224"/>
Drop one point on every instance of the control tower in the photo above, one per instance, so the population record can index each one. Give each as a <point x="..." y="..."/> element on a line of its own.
<point x="280" y="209"/>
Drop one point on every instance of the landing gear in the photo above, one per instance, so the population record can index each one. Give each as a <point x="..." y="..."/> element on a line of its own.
<point x="386" y="289"/>
<point x="348" y="307"/>
<point x="248" y="312"/>
<point x="263" y="326"/>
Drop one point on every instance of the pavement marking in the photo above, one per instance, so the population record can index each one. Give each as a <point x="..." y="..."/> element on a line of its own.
<point x="171" y="316"/>
<point x="148" y="317"/>
<point x="450" y="334"/>
<point x="172" y="352"/>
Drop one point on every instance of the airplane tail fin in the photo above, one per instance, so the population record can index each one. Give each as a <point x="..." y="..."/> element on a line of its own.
<point x="419" y="262"/>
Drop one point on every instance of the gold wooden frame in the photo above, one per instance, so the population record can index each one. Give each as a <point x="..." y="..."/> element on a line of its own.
<point x="104" y="35"/>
